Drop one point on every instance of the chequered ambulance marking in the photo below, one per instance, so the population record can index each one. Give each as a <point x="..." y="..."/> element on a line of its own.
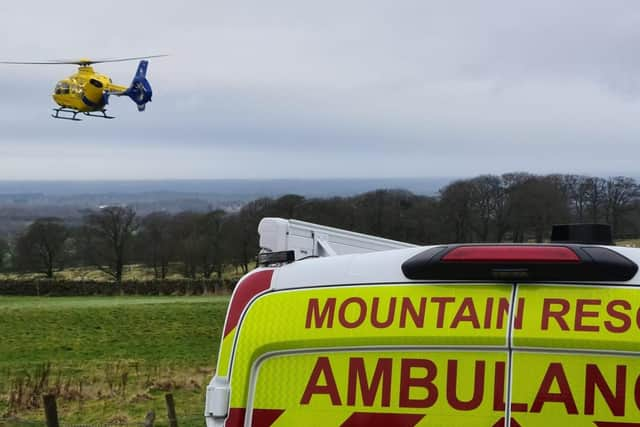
<point x="385" y="315"/>
<point x="401" y="388"/>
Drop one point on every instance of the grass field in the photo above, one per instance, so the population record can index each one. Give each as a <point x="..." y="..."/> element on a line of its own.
<point x="110" y="359"/>
<point x="631" y="243"/>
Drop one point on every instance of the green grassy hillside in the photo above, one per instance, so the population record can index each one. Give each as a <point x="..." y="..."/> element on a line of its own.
<point x="109" y="359"/>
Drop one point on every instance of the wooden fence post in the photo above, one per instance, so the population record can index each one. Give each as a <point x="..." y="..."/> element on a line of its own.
<point x="50" y="410"/>
<point x="149" y="419"/>
<point x="171" y="410"/>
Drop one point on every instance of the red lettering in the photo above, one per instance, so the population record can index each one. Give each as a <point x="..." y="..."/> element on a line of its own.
<point x="478" y="386"/>
<point x="417" y="316"/>
<point x="594" y="378"/>
<point x="361" y="315"/>
<point x="462" y="316"/>
<point x="488" y="313"/>
<point x="555" y="374"/>
<point x="503" y="311"/>
<point x="314" y="313"/>
<point x="390" y="313"/>
<point x="442" y="305"/>
<point x="581" y="313"/>
<point x="519" y="407"/>
<point x="517" y="319"/>
<point x="407" y="382"/>
<point x="637" y="392"/>
<point x="547" y="313"/>
<point x="498" y="387"/>
<point x="358" y="375"/>
<point x="322" y="368"/>
<point x="623" y="317"/>
<point x="498" y="391"/>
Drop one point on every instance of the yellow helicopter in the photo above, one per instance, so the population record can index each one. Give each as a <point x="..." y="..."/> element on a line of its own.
<point x="87" y="92"/>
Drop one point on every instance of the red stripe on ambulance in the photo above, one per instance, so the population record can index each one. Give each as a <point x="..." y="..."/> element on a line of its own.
<point x="259" y="418"/>
<point x="235" y="417"/>
<point x="250" y="286"/>
<point x="265" y="417"/>
<point x="377" y="419"/>
<point x="502" y="422"/>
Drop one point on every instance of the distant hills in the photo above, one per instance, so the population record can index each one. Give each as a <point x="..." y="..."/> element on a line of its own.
<point x="23" y="201"/>
<point x="223" y="188"/>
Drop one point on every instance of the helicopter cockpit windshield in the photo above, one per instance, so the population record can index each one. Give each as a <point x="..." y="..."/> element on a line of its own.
<point x="62" y="88"/>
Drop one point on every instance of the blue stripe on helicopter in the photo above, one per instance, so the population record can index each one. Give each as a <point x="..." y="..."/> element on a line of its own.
<point x="90" y="103"/>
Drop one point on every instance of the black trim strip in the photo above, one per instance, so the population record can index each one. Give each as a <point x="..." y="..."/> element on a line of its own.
<point x="596" y="264"/>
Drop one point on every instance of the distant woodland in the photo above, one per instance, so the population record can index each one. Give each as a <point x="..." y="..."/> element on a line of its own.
<point x="515" y="207"/>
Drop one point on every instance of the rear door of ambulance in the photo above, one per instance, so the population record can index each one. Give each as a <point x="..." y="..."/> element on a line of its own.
<point x="576" y="348"/>
<point x="574" y="340"/>
<point x="350" y="341"/>
<point x="455" y="335"/>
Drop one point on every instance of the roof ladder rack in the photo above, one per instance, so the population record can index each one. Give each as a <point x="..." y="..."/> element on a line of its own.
<point x="288" y="240"/>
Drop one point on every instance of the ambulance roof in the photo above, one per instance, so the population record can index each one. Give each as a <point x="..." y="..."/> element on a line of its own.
<point x="383" y="267"/>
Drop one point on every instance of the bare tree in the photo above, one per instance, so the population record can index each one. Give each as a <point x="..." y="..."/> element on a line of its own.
<point x="487" y="202"/>
<point x="187" y="241"/>
<point x="457" y="211"/>
<point x="620" y="193"/>
<point x="286" y="206"/>
<point x="577" y="193"/>
<point x="41" y="247"/>
<point x="423" y="222"/>
<point x="156" y="244"/>
<point x="383" y="212"/>
<point x="108" y="237"/>
<point x="536" y="202"/>
<point x="595" y="190"/>
<point x="336" y="211"/>
<point x="4" y="253"/>
<point x="211" y="235"/>
<point x="243" y="227"/>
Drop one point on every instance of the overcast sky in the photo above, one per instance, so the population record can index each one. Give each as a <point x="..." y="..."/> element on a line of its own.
<point x="299" y="89"/>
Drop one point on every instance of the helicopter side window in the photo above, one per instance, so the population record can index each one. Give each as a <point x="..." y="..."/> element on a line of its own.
<point x="62" y="88"/>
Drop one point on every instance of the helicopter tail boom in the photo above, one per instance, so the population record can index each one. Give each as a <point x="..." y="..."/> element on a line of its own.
<point x="140" y="89"/>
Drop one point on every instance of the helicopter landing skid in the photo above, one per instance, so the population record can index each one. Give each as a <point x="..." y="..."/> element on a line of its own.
<point x="64" y="110"/>
<point x="103" y="116"/>
<point x="76" y="112"/>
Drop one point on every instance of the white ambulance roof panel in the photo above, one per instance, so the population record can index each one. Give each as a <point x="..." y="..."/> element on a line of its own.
<point x="374" y="267"/>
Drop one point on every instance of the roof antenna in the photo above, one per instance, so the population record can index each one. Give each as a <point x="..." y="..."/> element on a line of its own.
<point x="596" y="234"/>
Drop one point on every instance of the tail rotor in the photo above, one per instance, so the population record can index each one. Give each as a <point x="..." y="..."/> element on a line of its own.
<point x="140" y="90"/>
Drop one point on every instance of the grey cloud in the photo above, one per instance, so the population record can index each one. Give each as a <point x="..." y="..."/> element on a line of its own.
<point x="354" y="88"/>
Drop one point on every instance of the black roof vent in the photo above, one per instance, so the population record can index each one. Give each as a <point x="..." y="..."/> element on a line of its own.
<point x="597" y="234"/>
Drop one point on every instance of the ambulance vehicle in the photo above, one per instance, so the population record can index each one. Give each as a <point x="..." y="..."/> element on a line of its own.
<point x="344" y="329"/>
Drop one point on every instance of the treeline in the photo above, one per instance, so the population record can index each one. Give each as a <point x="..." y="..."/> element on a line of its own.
<point x="514" y="207"/>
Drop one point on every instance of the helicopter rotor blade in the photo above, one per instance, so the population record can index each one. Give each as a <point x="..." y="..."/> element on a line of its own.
<point x="135" y="58"/>
<point x="33" y="62"/>
<point x="80" y="61"/>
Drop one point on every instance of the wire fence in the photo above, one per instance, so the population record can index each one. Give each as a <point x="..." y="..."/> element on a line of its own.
<point x="183" y="421"/>
<point x="15" y="422"/>
<point x="170" y="418"/>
